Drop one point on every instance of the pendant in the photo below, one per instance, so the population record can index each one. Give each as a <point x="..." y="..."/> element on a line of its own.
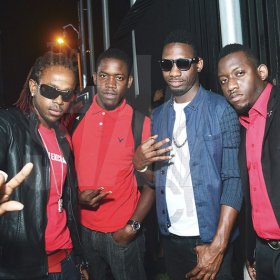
<point x="60" y="204"/>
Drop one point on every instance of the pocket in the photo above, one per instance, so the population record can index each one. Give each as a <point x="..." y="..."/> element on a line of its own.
<point x="214" y="146"/>
<point x="117" y="243"/>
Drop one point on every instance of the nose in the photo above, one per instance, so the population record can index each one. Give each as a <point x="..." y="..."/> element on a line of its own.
<point x="111" y="82"/>
<point x="58" y="100"/>
<point x="232" y="84"/>
<point x="175" y="71"/>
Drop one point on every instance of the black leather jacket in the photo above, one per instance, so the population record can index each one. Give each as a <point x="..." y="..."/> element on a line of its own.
<point x="22" y="234"/>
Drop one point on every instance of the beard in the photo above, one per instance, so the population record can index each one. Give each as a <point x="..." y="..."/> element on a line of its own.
<point x="243" y="111"/>
<point x="178" y="92"/>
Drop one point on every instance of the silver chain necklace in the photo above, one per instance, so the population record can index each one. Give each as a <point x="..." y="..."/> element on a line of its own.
<point x="181" y="126"/>
<point x="59" y="192"/>
<point x="179" y="145"/>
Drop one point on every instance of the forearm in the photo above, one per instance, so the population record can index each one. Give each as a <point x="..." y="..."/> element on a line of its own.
<point x="227" y="220"/>
<point x="145" y="204"/>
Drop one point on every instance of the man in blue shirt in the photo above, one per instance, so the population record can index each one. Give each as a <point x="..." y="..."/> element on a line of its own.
<point x="198" y="187"/>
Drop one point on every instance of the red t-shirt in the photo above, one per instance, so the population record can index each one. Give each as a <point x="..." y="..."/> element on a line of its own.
<point x="264" y="220"/>
<point x="104" y="147"/>
<point x="57" y="234"/>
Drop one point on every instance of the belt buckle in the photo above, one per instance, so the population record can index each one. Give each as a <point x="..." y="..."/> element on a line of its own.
<point x="274" y="244"/>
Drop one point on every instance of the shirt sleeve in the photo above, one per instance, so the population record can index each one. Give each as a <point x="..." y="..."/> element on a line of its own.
<point x="146" y="132"/>
<point x="230" y="174"/>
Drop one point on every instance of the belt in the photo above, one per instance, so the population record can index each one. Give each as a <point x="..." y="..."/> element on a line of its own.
<point x="55" y="259"/>
<point x="272" y="243"/>
<point x="174" y="236"/>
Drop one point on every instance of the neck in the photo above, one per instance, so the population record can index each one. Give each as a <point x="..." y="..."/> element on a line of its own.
<point x="188" y="96"/>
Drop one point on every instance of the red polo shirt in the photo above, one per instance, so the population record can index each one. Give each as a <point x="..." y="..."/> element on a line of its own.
<point x="264" y="221"/>
<point x="104" y="147"/>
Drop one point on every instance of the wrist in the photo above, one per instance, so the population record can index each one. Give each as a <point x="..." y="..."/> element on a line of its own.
<point x="143" y="169"/>
<point x="134" y="225"/>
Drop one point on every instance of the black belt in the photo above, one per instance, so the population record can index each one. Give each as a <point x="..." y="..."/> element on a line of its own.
<point x="174" y="236"/>
<point x="272" y="243"/>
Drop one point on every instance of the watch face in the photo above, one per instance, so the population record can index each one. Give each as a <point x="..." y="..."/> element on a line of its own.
<point x="135" y="225"/>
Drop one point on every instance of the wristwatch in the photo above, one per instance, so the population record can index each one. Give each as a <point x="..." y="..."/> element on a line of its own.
<point x="136" y="226"/>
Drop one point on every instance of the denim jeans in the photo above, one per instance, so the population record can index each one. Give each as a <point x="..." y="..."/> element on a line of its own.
<point x="181" y="259"/>
<point x="125" y="262"/>
<point x="69" y="271"/>
<point x="267" y="262"/>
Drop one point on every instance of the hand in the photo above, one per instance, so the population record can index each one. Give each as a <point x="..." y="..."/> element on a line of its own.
<point x="92" y="198"/>
<point x="124" y="235"/>
<point x="6" y="189"/>
<point x="209" y="260"/>
<point x="251" y="268"/>
<point x="84" y="274"/>
<point x="149" y="151"/>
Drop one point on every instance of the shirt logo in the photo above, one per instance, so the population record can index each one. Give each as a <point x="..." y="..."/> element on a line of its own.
<point x="56" y="157"/>
<point x="120" y="139"/>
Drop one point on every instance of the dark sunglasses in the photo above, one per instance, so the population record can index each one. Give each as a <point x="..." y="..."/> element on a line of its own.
<point x="183" y="64"/>
<point x="51" y="92"/>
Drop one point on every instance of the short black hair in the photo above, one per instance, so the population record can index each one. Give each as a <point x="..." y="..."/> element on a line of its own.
<point x="115" y="54"/>
<point x="232" y="48"/>
<point x="181" y="36"/>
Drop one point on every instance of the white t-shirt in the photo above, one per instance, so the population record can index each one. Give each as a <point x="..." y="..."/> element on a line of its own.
<point x="179" y="189"/>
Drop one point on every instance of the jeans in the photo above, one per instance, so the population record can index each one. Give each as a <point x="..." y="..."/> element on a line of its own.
<point x="105" y="256"/>
<point x="181" y="259"/>
<point x="267" y="262"/>
<point x="69" y="271"/>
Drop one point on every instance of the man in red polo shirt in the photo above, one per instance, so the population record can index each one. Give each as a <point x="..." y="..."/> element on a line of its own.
<point x="244" y="83"/>
<point x="112" y="206"/>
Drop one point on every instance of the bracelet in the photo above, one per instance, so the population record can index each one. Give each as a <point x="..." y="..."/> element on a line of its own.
<point x="6" y="175"/>
<point x="143" y="170"/>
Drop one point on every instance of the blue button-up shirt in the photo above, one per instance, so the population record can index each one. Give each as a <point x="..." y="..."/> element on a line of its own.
<point x="213" y="138"/>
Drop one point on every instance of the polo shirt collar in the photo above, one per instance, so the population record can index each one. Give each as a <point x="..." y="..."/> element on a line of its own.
<point x="96" y="108"/>
<point x="260" y="106"/>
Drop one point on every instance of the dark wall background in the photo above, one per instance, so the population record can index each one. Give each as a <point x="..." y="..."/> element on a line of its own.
<point x="153" y="19"/>
<point x="26" y="26"/>
<point x="261" y="29"/>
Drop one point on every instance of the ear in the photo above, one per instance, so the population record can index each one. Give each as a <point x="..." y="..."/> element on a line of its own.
<point x="199" y="65"/>
<point x="32" y="87"/>
<point x="262" y="71"/>
<point x="94" y="78"/>
<point x="130" y="80"/>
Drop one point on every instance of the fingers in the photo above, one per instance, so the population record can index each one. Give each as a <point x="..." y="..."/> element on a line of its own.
<point x="153" y="149"/>
<point x="10" y="206"/>
<point x="157" y="145"/>
<point x="101" y="196"/>
<point x="3" y="177"/>
<point x="19" y="178"/>
<point x="7" y="189"/>
<point x="92" y="198"/>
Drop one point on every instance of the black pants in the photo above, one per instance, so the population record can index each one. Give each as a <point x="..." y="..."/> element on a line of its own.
<point x="181" y="259"/>
<point x="267" y="262"/>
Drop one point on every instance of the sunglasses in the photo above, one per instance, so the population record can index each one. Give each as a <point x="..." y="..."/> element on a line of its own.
<point x="183" y="64"/>
<point x="51" y="92"/>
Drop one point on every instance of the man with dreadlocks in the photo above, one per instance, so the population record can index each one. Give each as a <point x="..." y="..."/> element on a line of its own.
<point x="41" y="241"/>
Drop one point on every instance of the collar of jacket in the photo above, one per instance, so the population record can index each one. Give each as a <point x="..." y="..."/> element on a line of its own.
<point x="195" y="102"/>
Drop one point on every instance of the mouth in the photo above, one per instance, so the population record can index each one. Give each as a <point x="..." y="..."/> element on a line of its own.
<point x="110" y="94"/>
<point x="56" y="112"/>
<point x="235" y="97"/>
<point x="175" y="83"/>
